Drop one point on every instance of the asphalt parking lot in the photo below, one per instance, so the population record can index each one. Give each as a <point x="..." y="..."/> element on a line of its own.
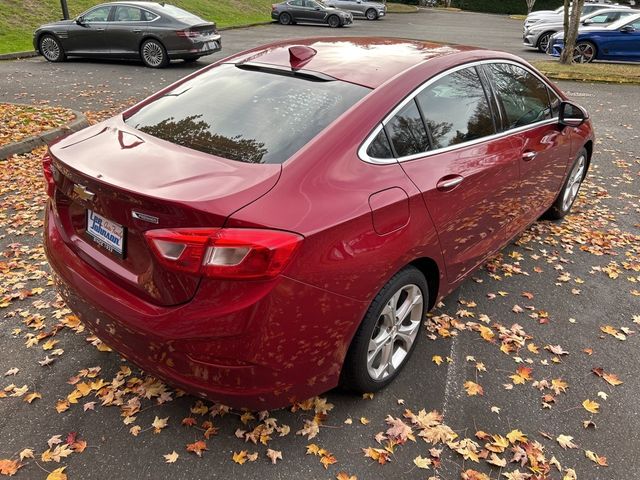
<point x="570" y="281"/>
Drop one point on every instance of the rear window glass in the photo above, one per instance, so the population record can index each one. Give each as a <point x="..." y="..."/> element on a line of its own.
<point x="176" y="12"/>
<point x="245" y="115"/>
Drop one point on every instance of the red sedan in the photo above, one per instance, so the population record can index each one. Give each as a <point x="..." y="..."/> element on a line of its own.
<point x="280" y="222"/>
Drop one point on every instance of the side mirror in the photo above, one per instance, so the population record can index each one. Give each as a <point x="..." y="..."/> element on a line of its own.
<point x="318" y="8"/>
<point x="572" y="115"/>
<point x="79" y="20"/>
<point x="627" y="29"/>
<point x="587" y="22"/>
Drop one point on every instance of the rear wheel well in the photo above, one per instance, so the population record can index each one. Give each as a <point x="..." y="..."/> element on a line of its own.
<point x="429" y="268"/>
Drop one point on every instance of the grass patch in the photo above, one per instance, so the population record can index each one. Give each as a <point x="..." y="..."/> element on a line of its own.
<point x="401" y="8"/>
<point x="18" y="20"/>
<point x="591" y="72"/>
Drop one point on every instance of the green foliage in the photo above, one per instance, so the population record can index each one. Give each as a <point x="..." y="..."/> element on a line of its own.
<point x="18" y="19"/>
<point x="505" y="6"/>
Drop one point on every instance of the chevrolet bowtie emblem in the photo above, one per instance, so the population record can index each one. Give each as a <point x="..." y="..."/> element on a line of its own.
<point x="83" y="193"/>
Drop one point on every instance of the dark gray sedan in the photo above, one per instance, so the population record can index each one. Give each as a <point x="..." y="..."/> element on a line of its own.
<point x="151" y="31"/>
<point x="309" y="11"/>
<point x="360" y="8"/>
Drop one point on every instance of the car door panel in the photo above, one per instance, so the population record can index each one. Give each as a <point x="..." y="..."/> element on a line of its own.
<point x="126" y="31"/>
<point x="470" y="218"/>
<point x="88" y="38"/>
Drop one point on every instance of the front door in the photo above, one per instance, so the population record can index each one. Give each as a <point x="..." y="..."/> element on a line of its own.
<point x="88" y="37"/>
<point x="541" y="146"/>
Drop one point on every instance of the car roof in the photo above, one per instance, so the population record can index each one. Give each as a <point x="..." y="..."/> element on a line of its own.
<point x="367" y="61"/>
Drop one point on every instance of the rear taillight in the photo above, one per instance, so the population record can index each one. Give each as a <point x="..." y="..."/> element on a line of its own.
<point x="188" y="33"/>
<point x="225" y="253"/>
<point x="273" y="7"/>
<point x="47" y="170"/>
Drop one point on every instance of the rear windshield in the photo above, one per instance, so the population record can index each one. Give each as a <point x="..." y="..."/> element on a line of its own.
<point x="176" y="12"/>
<point x="246" y="115"/>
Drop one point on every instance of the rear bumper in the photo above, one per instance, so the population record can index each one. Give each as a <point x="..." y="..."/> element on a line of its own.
<point x="197" y="48"/>
<point x="270" y="344"/>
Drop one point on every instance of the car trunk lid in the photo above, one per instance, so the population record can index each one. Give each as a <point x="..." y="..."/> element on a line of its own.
<point x="110" y="176"/>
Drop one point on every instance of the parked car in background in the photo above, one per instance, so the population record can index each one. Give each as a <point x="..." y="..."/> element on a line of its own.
<point x="154" y="32"/>
<point x="619" y="41"/>
<point x="360" y="8"/>
<point x="280" y="222"/>
<point x="309" y="11"/>
<point x="556" y="15"/>
<point x="538" y="35"/>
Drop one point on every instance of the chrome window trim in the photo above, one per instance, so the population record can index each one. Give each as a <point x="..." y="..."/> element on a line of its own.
<point x="362" y="151"/>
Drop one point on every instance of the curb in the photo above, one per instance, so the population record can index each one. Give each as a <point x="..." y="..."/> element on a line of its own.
<point x="27" y="144"/>
<point x="15" y="55"/>
<point x="235" y="27"/>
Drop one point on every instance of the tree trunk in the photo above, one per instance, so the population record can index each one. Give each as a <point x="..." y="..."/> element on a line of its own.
<point x="530" y="4"/>
<point x="571" y="25"/>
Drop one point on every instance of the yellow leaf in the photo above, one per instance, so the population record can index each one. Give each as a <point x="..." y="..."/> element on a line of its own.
<point x="364" y="420"/>
<point x="437" y="359"/>
<point x="62" y="405"/>
<point x="421" y="462"/>
<point x="83" y="388"/>
<point x="32" y="396"/>
<point x="74" y="396"/>
<point x="171" y="457"/>
<point x="612" y="379"/>
<point x="57" y="474"/>
<point x="159" y="423"/>
<point x="516" y="436"/>
<point x="591" y="406"/>
<point x="473" y="388"/>
<point x="345" y="476"/>
<point x="48" y="345"/>
<point x="240" y="457"/>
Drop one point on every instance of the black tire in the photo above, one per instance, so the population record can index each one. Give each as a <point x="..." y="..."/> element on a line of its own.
<point x="371" y="14"/>
<point x="51" y="48"/>
<point x="153" y="54"/>
<point x="543" y="41"/>
<point x="585" y="52"/>
<point x="357" y="370"/>
<point x="285" y="19"/>
<point x="565" y="199"/>
<point x="334" y="21"/>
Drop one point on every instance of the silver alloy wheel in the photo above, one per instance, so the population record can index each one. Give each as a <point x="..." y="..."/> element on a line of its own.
<point x="50" y="49"/>
<point x="543" y="43"/>
<point x="395" y="332"/>
<point x="153" y="54"/>
<point x="573" y="184"/>
<point x="371" y="14"/>
<point x="584" y="52"/>
<point x="334" y="21"/>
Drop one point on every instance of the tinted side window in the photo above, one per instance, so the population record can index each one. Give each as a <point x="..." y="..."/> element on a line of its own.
<point x="456" y="109"/>
<point x="407" y="131"/>
<point x="127" y="14"/>
<point x="100" y="14"/>
<point x="380" y="147"/>
<point x="524" y="97"/>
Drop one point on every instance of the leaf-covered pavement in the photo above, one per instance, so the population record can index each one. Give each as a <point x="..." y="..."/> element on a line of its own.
<point x="18" y="122"/>
<point x="520" y="374"/>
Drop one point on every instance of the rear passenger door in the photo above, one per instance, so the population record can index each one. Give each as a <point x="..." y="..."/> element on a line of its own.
<point x="529" y="110"/>
<point x="468" y="179"/>
<point x="125" y="32"/>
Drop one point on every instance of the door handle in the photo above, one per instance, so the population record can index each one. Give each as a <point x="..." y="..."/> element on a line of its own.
<point x="137" y="30"/>
<point x="99" y="29"/>
<point x="529" y="155"/>
<point x="449" y="182"/>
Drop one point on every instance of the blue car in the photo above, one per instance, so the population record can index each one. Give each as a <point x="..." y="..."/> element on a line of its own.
<point x="619" y="41"/>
